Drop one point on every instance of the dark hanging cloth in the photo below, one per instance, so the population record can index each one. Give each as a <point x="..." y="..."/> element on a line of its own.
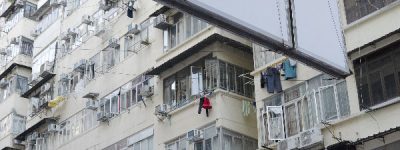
<point x="262" y="80"/>
<point x="130" y="13"/>
<point x="273" y="80"/>
<point x="200" y="105"/>
<point x="204" y="103"/>
<point x="130" y="9"/>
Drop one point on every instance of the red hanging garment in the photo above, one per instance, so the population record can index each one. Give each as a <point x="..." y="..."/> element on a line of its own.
<point x="206" y="103"/>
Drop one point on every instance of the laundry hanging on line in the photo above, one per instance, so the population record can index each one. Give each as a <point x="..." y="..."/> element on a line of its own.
<point x="272" y="80"/>
<point x="204" y="104"/>
<point x="289" y="68"/>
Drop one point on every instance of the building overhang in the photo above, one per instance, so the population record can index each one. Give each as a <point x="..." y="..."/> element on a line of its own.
<point x="41" y="10"/>
<point x="379" y="135"/>
<point x="379" y="43"/>
<point x="44" y="121"/>
<point x="9" y="148"/>
<point x="10" y="68"/>
<point x="159" y="11"/>
<point x="44" y="79"/>
<point x="8" y="10"/>
<point x="196" y="48"/>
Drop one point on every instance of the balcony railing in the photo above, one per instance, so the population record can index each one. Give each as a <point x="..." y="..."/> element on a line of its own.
<point x="10" y="23"/>
<point x="13" y="50"/>
<point x="48" y="20"/>
<point x="12" y="124"/>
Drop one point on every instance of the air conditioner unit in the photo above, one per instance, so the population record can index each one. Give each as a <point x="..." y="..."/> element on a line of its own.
<point x="45" y="68"/>
<point x="161" y="110"/>
<point x="3" y="51"/>
<point x="19" y="3"/>
<point x="144" y="40"/>
<point x="34" y="136"/>
<point x="160" y="22"/>
<point x="113" y="42"/>
<point x="64" y="36"/>
<point x="72" y="31"/>
<point x="133" y="28"/>
<point x="105" y="5"/>
<point x="147" y="91"/>
<point x="289" y="143"/>
<point x="194" y="135"/>
<point x="56" y="3"/>
<point x="53" y="127"/>
<point x="311" y="138"/>
<point x="64" y="77"/>
<point x="3" y="83"/>
<point x="87" y="19"/>
<point x="102" y="116"/>
<point x="91" y="104"/>
<point x="35" y="33"/>
<point x="14" y="40"/>
<point x="45" y="88"/>
<point x="80" y="66"/>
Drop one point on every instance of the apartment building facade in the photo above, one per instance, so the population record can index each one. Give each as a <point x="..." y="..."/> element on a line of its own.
<point x="363" y="103"/>
<point x="111" y="74"/>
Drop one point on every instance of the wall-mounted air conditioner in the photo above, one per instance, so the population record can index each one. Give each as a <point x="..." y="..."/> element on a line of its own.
<point x="194" y="135"/>
<point x="113" y="42"/>
<point x="46" y="68"/>
<point x="3" y="51"/>
<point x="64" y="77"/>
<point x="34" y="136"/>
<point x="19" y="3"/>
<point x="161" y="110"/>
<point x="105" y="5"/>
<point x="45" y="88"/>
<point x="80" y="66"/>
<point x="160" y="22"/>
<point x="53" y="127"/>
<point x="289" y="143"/>
<point x="15" y="40"/>
<point x="56" y="3"/>
<point x="87" y="19"/>
<point x="35" y="32"/>
<point x="312" y="137"/>
<point x="103" y="116"/>
<point x="133" y="28"/>
<point x="3" y="83"/>
<point x="147" y="91"/>
<point x="72" y="31"/>
<point x="64" y="36"/>
<point x="92" y="104"/>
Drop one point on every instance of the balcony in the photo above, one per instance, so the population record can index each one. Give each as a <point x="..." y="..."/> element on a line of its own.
<point x="181" y="30"/>
<point x="47" y="21"/>
<point x="12" y="124"/>
<point x="19" y="52"/>
<point x="296" y="117"/>
<point x="16" y="15"/>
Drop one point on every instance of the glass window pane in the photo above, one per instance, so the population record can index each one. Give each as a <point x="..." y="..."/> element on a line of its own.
<point x="208" y="145"/>
<point x="222" y="75"/>
<point x="291" y="121"/>
<point x="227" y="142"/>
<point x="237" y="144"/>
<point x="231" y="77"/>
<point x="328" y="103"/>
<point x="376" y="87"/>
<point x="343" y="99"/>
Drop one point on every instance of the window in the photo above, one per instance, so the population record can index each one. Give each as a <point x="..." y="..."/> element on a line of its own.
<point x="135" y="43"/>
<point x="183" y="27"/>
<point x="29" y="9"/>
<point x="304" y="106"/>
<point x="377" y="77"/>
<point x="187" y="84"/>
<point x="356" y="9"/>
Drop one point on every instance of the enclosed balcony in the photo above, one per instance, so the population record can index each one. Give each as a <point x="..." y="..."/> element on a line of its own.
<point x="19" y="51"/>
<point x="11" y="125"/>
<point x="16" y="14"/>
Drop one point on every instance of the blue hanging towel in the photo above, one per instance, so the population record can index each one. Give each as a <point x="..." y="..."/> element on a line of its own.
<point x="289" y="67"/>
